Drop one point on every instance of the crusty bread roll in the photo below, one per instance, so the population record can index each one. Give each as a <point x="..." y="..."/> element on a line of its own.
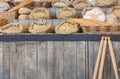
<point x="81" y="4"/>
<point x="60" y="4"/>
<point x="85" y="9"/>
<point x="14" y="28"/>
<point x="40" y="13"/>
<point x="41" y="27"/>
<point x="67" y="13"/>
<point x="24" y="10"/>
<point x="116" y="10"/>
<point x="104" y="3"/>
<point x="111" y="18"/>
<point x="67" y="28"/>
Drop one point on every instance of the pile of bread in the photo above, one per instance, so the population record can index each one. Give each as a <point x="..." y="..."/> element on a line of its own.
<point x="79" y="16"/>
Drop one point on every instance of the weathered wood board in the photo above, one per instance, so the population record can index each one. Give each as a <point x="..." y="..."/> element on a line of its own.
<point x="52" y="60"/>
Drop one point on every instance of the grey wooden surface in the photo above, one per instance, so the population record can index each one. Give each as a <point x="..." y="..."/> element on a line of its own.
<point x="53" y="60"/>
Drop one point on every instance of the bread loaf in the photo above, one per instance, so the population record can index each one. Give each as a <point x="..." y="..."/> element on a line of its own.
<point x="95" y="14"/>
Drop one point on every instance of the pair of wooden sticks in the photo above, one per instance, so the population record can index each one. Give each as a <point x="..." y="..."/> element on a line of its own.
<point x="101" y="58"/>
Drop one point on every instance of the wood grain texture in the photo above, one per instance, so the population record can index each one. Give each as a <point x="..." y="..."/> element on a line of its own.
<point x="20" y="65"/>
<point x="80" y="48"/>
<point x="30" y="60"/>
<point x="50" y="60"/>
<point x="86" y="60"/>
<point x="17" y="65"/>
<point x="91" y="59"/>
<point x="6" y="61"/>
<point x="1" y="59"/>
<point x="53" y="60"/>
<point x="58" y="60"/>
<point x="13" y="60"/>
<point x="42" y="63"/>
<point x="69" y="60"/>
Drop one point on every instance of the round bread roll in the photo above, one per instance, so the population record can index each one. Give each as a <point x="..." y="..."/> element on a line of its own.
<point x="67" y="13"/>
<point x="67" y="27"/>
<point x="40" y="13"/>
<point x="14" y="28"/>
<point x="4" y="6"/>
<point x="104" y="3"/>
<point x="41" y="27"/>
<point x="81" y="4"/>
<point x="24" y="10"/>
<point x="23" y="16"/>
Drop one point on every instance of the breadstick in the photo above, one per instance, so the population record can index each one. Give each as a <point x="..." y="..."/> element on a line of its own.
<point x="102" y="60"/>
<point x="24" y="3"/>
<point x="98" y="58"/>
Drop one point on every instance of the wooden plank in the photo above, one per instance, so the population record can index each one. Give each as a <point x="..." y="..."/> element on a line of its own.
<point x="50" y="60"/>
<point x="1" y="59"/>
<point x="118" y="54"/>
<point x="17" y="60"/>
<point x="86" y="60"/>
<point x="58" y="60"/>
<point x="96" y="47"/>
<point x="20" y="70"/>
<point x="13" y="60"/>
<point x="69" y="60"/>
<point x="30" y="60"/>
<point x="6" y="62"/>
<point x="42" y="60"/>
<point x="80" y="48"/>
<point x="91" y="58"/>
<point x="116" y="50"/>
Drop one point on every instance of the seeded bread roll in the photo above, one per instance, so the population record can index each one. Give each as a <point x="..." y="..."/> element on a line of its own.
<point x="41" y="27"/>
<point x="81" y="4"/>
<point x="24" y="10"/>
<point x="67" y="13"/>
<point x="67" y="28"/>
<point x="40" y="13"/>
<point x="104" y="3"/>
<point x="60" y="4"/>
<point x="14" y="28"/>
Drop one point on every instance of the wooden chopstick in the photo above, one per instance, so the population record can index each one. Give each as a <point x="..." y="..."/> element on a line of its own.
<point x="100" y="74"/>
<point x="98" y="58"/>
<point x="113" y="58"/>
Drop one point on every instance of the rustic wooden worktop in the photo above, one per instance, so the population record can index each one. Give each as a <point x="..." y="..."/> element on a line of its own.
<point x="52" y="56"/>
